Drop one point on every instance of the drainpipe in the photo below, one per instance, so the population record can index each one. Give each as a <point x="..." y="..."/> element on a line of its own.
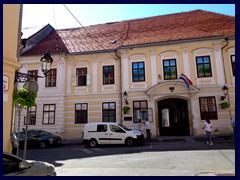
<point x="120" y="84"/>
<point x="225" y="76"/>
<point x="224" y="70"/>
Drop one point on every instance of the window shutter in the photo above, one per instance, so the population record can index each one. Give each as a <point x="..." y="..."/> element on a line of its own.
<point x="88" y="79"/>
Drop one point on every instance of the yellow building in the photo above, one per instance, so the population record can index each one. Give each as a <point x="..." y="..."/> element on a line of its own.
<point x="12" y="17"/>
<point x="144" y="59"/>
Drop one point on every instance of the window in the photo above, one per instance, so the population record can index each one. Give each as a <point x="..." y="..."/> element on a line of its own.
<point x="116" y="129"/>
<point x="208" y="108"/>
<point x="138" y="71"/>
<point x="102" y="128"/>
<point x="32" y="116"/>
<point x="108" y="74"/>
<point x="109" y="112"/>
<point x="34" y="73"/>
<point x="49" y="114"/>
<point x="233" y="64"/>
<point x="203" y="66"/>
<point x="51" y="78"/>
<point x="140" y="111"/>
<point x="170" y="69"/>
<point x="81" y="113"/>
<point x="81" y="76"/>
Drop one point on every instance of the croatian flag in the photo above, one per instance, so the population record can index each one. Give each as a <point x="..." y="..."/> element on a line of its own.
<point x="187" y="81"/>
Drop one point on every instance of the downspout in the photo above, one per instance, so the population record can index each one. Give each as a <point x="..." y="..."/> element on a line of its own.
<point x="224" y="70"/>
<point x="225" y="76"/>
<point x="120" y="84"/>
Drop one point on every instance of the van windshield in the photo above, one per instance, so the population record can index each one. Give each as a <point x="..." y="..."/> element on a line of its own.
<point x="124" y="127"/>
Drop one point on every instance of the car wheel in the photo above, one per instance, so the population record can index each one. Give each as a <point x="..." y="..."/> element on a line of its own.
<point x="43" y="144"/>
<point x="92" y="143"/>
<point x="129" y="142"/>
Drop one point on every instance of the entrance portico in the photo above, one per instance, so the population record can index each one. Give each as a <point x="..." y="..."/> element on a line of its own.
<point x="174" y="114"/>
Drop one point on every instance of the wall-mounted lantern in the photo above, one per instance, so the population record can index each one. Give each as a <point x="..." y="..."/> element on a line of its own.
<point x="46" y="63"/>
<point x="125" y="97"/>
<point x="225" y="92"/>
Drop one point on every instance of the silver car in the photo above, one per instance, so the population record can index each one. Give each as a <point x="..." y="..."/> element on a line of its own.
<point x="16" y="166"/>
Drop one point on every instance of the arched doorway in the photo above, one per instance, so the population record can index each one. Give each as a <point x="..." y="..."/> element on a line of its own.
<point x="173" y="117"/>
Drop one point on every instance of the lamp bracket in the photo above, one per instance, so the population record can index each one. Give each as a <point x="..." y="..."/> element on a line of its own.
<point x="23" y="77"/>
<point x="222" y="98"/>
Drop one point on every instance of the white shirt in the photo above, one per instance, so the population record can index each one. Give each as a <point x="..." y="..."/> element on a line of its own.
<point x="147" y="125"/>
<point x="207" y="127"/>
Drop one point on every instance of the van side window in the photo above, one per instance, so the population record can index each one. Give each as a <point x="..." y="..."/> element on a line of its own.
<point x="101" y="128"/>
<point x="114" y="128"/>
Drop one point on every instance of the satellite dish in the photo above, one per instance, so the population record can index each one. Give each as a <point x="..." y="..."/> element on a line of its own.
<point x="31" y="85"/>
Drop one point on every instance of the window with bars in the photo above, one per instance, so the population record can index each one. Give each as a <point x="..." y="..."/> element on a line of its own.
<point x="35" y="73"/>
<point x="140" y="111"/>
<point x="32" y="115"/>
<point x="81" y="76"/>
<point x="81" y="113"/>
<point x="49" y="113"/>
<point x="109" y="112"/>
<point x="169" y="69"/>
<point x="51" y="78"/>
<point x="138" y="71"/>
<point x="108" y="75"/>
<point x="233" y="64"/>
<point x="208" y="108"/>
<point x="203" y="66"/>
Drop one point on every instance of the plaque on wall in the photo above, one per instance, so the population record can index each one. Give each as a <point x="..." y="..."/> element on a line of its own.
<point x="127" y="118"/>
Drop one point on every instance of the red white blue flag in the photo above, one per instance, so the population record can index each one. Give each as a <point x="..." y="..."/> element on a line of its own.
<point x="187" y="81"/>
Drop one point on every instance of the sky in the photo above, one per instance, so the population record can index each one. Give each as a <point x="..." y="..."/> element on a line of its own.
<point x="59" y="17"/>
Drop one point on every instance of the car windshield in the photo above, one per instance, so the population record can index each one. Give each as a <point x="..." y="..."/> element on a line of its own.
<point x="124" y="127"/>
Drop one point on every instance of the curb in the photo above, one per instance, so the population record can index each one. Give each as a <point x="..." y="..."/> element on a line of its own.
<point x="188" y="139"/>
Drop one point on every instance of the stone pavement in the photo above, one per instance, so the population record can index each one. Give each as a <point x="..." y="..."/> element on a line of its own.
<point x="174" y="156"/>
<point x="172" y="139"/>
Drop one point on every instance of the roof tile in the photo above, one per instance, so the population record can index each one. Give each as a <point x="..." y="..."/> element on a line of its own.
<point x="180" y="26"/>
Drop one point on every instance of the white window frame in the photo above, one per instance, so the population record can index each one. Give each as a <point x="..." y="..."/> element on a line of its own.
<point x="167" y="55"/>
<point x="109" y="87"/>
<point x="203" y="52"/>
<point x="231" y="51"/>
<point x="134" y="59"/>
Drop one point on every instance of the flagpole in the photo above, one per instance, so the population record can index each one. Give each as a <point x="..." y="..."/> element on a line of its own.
<point x="175" y="83"/>
<point x="187" y="81"/>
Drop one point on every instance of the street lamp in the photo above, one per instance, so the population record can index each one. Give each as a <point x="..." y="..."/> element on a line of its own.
<point x="46" y="62"/>
<point x="32" y="86"/>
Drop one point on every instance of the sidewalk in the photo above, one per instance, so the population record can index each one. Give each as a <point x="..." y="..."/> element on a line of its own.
<point x="171" y="139"/>
<point x="216" y="139"/>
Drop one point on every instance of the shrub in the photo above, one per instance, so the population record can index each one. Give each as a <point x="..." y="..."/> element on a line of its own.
<point x="225" y="105"/>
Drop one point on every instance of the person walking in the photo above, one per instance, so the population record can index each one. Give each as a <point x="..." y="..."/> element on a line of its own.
<point x="208" y="129"/>
<point x="148" y="127"/>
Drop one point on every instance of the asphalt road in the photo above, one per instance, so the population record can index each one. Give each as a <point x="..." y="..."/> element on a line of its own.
<point x="163" y="157"/>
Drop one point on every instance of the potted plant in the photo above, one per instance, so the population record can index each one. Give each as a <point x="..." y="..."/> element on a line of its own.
<point x="126" y="109"/>
<point x="25" y="98"/>
<point x="225" y="105"/>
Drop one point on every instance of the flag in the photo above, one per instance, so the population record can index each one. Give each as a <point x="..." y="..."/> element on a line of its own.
<point x="187" y="81"/>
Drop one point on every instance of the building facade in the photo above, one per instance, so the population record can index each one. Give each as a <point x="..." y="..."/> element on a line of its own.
<point x="93" y="70"/>
<point x="12" y="16"/>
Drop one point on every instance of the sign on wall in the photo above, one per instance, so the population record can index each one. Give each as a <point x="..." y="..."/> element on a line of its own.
<point x="5" y="83"/>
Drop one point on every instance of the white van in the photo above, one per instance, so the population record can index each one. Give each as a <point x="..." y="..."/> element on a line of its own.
<point x="110" y="133"/>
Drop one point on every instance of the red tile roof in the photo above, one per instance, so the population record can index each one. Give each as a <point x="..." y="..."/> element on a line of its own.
<point x="166" y="28"/>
